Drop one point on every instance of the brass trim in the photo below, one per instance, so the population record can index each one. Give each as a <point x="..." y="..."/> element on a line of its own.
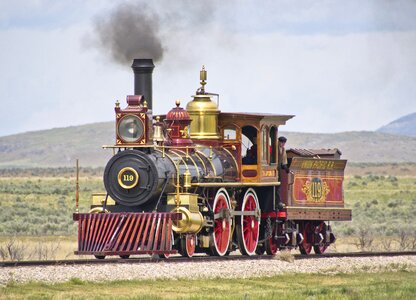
<point x="121" y="173"/>
<point x="210" y="161"/>
<point x="232" y="184"/>
<point x="202" y="161"/>
<point x="236" y="164"/>
<point x="171" y="159"/>
<point x="186" y="169"/>
<point x="181" y="158"/>
<point x="193" y="161"/>
<point x="191" y="222"/>
<point x="97" y="210"/>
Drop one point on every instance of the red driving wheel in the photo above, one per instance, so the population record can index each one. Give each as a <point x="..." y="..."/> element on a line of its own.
<point x="248" y="226"/>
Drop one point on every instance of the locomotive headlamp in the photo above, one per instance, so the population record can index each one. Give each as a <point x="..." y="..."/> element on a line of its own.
<point x="130" y="128"/>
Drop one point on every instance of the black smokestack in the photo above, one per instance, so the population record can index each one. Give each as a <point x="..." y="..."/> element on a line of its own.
<point x="130" y="31"/>
<point x="143" y="69"/>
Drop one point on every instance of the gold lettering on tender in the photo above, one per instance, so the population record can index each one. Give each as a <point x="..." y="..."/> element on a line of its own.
<point x="315" y="190"/>
<point x="318" y="164"/>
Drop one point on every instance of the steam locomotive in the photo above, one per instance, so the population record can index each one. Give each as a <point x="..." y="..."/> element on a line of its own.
<point x="198" y="180"/>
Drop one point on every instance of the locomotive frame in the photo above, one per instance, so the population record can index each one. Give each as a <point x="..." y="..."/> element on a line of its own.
<point x="207" y="181"/>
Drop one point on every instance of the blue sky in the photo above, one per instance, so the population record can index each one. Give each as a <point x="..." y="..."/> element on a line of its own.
<point x="337" y="66"/>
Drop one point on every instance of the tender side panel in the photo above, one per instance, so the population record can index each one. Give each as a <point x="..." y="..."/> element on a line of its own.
<point x="316" y="182"/>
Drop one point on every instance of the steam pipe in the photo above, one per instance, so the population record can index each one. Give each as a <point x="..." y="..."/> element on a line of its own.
<point x="143" y="69"/>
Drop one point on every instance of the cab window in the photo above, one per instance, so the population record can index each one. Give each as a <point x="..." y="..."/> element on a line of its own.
<point x="249" y="145"/>
<point x="230" y="133"/>
<point x="273" y="144"/>
<point x="265" y="144"/>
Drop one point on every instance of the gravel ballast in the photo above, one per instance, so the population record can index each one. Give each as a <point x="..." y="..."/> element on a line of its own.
<point x="205" y="269"/>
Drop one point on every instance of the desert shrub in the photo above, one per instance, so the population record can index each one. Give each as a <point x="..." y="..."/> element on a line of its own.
<point x="405" y="237"/>
<point x="352" y="184"/>
<point x="12" y="250"/>
<point x="43" y="251"/>
<point x="392" y="203"/>
<point x="365" y="238"/>
<point x="392" y="178"/>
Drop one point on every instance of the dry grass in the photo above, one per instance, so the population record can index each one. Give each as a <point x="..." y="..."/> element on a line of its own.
<point x="392" y="169"/>
<point x="286" y="255"/>
<point x="38" y="248"/>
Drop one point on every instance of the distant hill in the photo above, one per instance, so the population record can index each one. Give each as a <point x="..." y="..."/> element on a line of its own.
<point x="359" y="146"/>
<point x="60" y="147"/>
<point x="404" y="126"/>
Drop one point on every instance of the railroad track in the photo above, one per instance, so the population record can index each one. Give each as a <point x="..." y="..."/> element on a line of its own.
<point x="180" y="259"/>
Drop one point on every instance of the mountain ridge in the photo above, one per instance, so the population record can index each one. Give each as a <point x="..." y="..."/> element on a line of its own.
<point x="405" y="125"/>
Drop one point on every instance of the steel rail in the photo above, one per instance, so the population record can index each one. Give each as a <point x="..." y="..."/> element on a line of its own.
<point x="180" y="259"/>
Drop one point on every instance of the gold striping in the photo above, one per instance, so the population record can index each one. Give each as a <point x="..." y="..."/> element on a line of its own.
<point x="202" y="161"/>
<point x="210" y="161"/>
<point x="235" y="161"/>
<point x="232" y="184"/>
<point x="171" y="159"/>
<point x="193" y="161"/>
<point x="181" y="158"/>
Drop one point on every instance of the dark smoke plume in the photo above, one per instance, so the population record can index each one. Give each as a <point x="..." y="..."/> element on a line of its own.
<point x="130" y="31"/>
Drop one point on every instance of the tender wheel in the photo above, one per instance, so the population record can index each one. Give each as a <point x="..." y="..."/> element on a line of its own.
<point x="220" y="237"/>
<point x="188" y="245"/>
<point x="248" y="226"/>
<point x="321" y="248"/>
<point x="306" y="247"/>
<point x="271" y="244"/>
<point x="99" y="256"/>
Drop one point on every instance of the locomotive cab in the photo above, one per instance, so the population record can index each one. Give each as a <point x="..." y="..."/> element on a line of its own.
<point x="255" y="136"/>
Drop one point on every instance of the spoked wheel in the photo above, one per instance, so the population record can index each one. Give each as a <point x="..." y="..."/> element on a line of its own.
<point x="166" y="255"/>
<point x="220" y="237"/>
<point x="188" y="245"/>
<point x="321" y="248"/>
<point x="248" y="226"/>
<point x="271" y="244"/>
<point x="306" y="246"/>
